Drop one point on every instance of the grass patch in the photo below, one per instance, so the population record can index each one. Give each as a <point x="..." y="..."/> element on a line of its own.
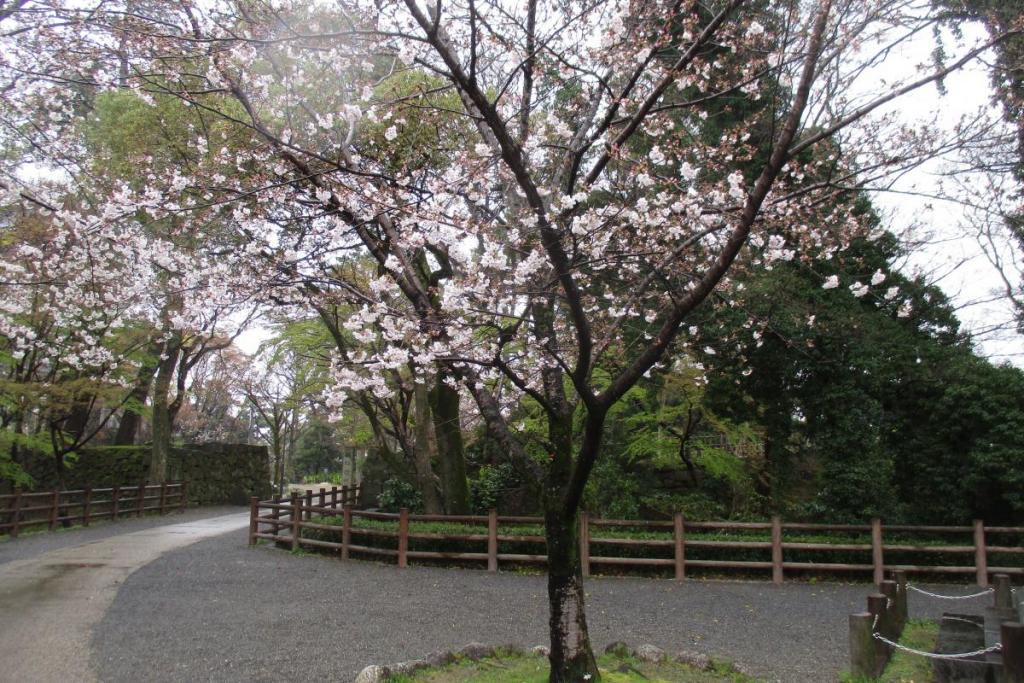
<point x="512" y="668"/>
<point x="920" y="634"/>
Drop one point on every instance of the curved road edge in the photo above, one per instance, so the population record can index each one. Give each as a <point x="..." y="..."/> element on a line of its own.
<point x="50" y="603"/>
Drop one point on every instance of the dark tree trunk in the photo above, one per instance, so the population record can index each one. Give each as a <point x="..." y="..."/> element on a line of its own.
<point x="572" y="658"/>
<point x="131" y="416"/>
<point x="425" y="451"/>
<point x="162" y="414"/>
<point x="444" y="403"/>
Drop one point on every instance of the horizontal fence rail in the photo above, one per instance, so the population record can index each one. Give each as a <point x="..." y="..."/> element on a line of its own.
<point x="676" y="546"/>
<point x="20" y="510"/>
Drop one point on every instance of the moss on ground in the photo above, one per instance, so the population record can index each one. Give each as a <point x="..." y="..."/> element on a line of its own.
<point x="513" y="668"/>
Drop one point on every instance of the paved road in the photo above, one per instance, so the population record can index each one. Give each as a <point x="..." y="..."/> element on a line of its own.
<point x="190" y="602"/>
<point x="51" y="600"/>
<point x="219" y="611"/>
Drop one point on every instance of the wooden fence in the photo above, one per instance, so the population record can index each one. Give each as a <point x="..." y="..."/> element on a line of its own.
<point x="285" y="520"/>
<point x="51" y="508"/>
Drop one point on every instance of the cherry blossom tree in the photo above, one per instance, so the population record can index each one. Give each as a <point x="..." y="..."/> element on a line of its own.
<point x="550" y="189"/>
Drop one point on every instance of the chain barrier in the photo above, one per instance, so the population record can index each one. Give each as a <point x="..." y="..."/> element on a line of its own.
<point x="949" y="617"/>
<point x="934" y="655"/>
<point x="951" y="597"/>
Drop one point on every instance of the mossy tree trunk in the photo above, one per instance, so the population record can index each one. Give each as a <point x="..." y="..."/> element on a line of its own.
<point x="444" y="404"/>
<point x="161" y="421"/>
<point x="425" y="451"/>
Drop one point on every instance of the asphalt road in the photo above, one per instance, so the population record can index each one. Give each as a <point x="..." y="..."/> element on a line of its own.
<point x="220" y="611"/>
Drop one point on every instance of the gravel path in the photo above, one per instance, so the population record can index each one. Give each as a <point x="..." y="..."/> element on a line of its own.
<point x="36" y="543"/>
<point x="220" y="611"/>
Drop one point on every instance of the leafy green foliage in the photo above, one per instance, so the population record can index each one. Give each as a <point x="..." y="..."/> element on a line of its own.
<point x="398" y="494"/>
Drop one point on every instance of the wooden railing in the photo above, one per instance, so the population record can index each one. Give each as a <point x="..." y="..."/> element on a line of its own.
<point x="286" y="520"/>
<point x="50" y="508"/>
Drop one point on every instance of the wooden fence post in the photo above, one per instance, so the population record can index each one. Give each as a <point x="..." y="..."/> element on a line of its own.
<point x="141" y="501"/>
<point x="86" y="504"/>
<point x="54" y="506"/>
<point x="877" y="556"/>
<point x="163" y="497"/>
<point x="980" y="553"/>
<point x="344" y="496"/>
<point x="776" y="549"/>
<point x="115" y="501"/>
<point x="275" y="515"/>
<point x="15" y="513"/>
<point x="877" y="606"/>
<point x="334" y="497"/>
<point x="679" y="534"/>
<point x="888" y="589"/>
<point x="403" y="537"/>
<point x="254" y="512"/>
<point x="862" y="646"/>
<point x="309" y="505"/>
<point x="346" y="530"/>
<point x="492" y="540"/>
<point x="323" y="499"/>
<point x="585" y="542"/>
<point x="296" y="520"/>
<point x="1004" y="591"/>
<point x="183" y="501"/>
<point x="1012" y="637"/>
<point x="901" y="595"/>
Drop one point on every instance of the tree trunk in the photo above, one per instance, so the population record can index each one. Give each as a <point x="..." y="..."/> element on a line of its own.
<point x="131" y="416"/>
<point x="425" y="451"/>
<point x="444" y="403"/>
<point x="572" y="658"/>
<point x="161" y="415"/>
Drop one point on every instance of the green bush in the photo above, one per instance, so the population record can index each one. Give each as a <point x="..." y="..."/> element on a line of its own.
<point x="397" y="494"/>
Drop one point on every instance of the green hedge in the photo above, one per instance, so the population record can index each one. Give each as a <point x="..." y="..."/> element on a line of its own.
<point x="216" y="473"/>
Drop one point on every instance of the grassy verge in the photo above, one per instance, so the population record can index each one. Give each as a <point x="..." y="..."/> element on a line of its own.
<point x="512" y="668"/>
<point x="919" y="634"/>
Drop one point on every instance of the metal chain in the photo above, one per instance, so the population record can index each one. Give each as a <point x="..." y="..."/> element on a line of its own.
<point x="949" y="617"/>
<point x="934" y="655"/>
<point x="951" y="597"/>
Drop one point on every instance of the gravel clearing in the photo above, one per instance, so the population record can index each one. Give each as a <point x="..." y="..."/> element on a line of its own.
<point x="220" y="611"/>
<point x="33" y="543"/>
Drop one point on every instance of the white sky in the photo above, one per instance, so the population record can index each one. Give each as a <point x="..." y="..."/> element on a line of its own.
<point x="953" y="254"/>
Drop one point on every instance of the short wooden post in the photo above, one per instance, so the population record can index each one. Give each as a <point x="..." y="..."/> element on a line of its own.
<point x="877" y="606"/>
<point x="585" y="542"/>
<point x="862" y="646"/>
<point x="183" y="501"/>
<point x="1004" y="591"/>
<point x="980" y="554"/>
<point x="141" y="501"/>
<point x="679" y="534"/>
<point x="776" y="549"/>
<point x="344" y="496"/>
<point x="492" y="540"/>
<point x="888" y="589"/>
<point x="309" y="504"/>
<point x="403" y="537"/>
<point x="334" y="497"/>
<point x="877" y="556"/>
<point x="901" y="596"/>
<point x="86" y="505"/>
<point x="115" y="502"/>
<point x="1012" y="637"/>
<point x="296" y="520"/>
<point x="346" y="530"/>
<point x="163" y="497"/>
<point x="254" y="512"/>
<point x="16" y="513"/>
<point x="323" y="499"/>
<point x="54" y="506"/>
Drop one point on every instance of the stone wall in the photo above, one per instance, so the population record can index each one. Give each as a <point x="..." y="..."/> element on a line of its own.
<point x="217" y="473"/>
